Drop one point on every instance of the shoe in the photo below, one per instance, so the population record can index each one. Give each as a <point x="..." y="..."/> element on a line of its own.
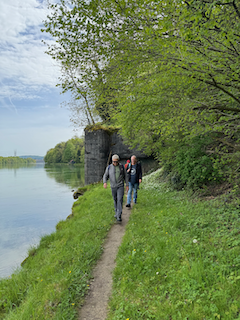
<point x="119" y="220"/>
<point x="128" y="205"/>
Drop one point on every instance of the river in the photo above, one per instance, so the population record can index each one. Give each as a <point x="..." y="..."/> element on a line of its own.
<point x="33" y="199"/>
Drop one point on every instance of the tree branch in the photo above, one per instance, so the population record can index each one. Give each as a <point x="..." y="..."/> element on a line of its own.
<point x="236" y="8"/>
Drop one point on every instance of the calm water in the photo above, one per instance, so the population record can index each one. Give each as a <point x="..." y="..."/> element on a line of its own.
<point x="32" y="201"/>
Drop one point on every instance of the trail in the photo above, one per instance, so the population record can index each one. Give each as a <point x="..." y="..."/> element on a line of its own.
<point x="96" y="302"/>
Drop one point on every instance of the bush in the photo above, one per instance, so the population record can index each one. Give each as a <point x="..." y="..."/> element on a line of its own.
<point x="194" y="166"/>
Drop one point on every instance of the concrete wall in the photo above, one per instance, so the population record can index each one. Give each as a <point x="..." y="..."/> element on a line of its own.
<point x="100" y="145"/>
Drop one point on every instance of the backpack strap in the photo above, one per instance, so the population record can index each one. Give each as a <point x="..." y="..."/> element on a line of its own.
<point x="122" y="169"/>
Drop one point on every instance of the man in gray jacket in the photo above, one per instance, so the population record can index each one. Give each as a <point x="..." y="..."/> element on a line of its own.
<point x="116" y="173"/>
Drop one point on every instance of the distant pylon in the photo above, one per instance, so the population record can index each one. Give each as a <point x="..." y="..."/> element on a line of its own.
<point x="15" y="153"/>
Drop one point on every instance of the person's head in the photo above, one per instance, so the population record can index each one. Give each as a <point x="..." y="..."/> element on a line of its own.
<point x="115" y="159"/>
<point x="133" y="160"/>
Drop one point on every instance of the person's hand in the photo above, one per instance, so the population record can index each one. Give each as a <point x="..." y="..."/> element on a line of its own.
<point x="105" y="185"/>
<point x="127" y="188"/>
<point x="140" y="180"/>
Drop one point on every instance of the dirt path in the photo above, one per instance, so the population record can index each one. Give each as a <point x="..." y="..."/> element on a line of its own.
<point x="95" y="306"/>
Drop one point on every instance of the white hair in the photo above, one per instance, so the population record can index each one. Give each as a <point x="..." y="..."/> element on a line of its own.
<point x="115" y="156"/>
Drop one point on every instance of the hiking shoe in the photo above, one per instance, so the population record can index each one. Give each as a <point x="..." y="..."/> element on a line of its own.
<point x="128" y="205"/>
<point x="119" y="220"/>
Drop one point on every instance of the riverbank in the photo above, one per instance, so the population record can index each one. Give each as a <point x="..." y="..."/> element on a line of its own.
<point x="179" y="259"/>
<point x="54" y="279"/>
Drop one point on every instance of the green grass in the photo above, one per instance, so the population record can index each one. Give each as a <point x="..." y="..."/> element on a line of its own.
<point x="54" y="279"/>
<point x="179" y="259"/>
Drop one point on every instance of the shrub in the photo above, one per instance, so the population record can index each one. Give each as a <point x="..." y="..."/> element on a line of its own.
<point x="194" y="166"/>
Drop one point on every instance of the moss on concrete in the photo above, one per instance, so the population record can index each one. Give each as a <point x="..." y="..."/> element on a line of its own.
<point x="99" y="126"/>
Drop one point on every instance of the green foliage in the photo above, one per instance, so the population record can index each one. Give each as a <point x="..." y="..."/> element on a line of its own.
<point x="194" y="166"/>
<point x="15" y="161"/>
<point x="161" y="70"/>
<point x="179" y="259"/>
<point x="64" y="152"/>
<point x="55" y="277"/>
<point x="69" y="152"/>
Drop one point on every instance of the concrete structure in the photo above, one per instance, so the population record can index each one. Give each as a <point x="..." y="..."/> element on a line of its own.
<point x="100" y="145"/>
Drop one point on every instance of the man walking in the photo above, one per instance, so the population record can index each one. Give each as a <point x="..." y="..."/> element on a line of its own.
<point x="135" y="178"/>
<point x="116" y="173"/>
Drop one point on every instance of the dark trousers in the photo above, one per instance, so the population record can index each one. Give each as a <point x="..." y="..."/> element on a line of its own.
<point x="117" y="194"/>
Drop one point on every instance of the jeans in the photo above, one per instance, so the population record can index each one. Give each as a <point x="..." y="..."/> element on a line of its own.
<point x="117" y="194"/>
<point x="134" y="188"/>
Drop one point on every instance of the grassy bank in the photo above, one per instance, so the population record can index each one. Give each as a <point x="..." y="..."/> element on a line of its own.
<point x="179" y="259"/>
<point x="53" y="280"/>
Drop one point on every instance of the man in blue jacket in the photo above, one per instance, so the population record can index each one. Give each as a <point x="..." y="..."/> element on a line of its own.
<point x="134" y="171"/>
<point x="116" y="173"/>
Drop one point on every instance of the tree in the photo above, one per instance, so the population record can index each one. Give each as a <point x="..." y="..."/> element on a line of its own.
<point x="69" y="152"/>
<point x="173" y="63"/>
<point x="64" y="152"/>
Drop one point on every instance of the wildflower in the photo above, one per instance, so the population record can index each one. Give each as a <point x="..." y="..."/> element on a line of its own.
<point x="145" y="251"/>
<point x="70" y="271"/>
<point x="194" y="240"/>
<point x="127" y="319"/>
<point x="134" y="249"/>
<point x="41" y="279"/>
<point x="157" y="272"/>
<point x="73" y="304"/>
<point x="166" y="232"/>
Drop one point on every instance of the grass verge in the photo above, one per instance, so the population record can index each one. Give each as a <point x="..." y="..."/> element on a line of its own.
<point x="179" y="259"/>
<point x="55" y="277"/>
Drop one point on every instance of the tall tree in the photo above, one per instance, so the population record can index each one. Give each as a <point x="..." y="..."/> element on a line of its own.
<point x="177" y="60"/>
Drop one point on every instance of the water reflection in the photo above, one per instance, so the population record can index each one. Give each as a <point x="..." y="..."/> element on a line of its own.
<point x="72" y="175"/>
<point x="33" y="199"/>
<point x="17" y="165"/>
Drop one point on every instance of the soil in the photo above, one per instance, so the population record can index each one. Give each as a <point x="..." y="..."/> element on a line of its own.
<point x="96" y="303"/>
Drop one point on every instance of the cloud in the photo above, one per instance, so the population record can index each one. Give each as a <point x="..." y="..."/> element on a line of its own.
<point x="23" y="60"/>
<point x="31" y="120"/>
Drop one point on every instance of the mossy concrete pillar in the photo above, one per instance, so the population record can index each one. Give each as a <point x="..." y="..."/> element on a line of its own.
<point x="100" y="145"/>
<point x="96" y="154"/>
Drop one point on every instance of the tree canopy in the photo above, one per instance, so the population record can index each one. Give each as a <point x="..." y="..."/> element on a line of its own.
<point x="164" y="71"/>
<point x="64" y="152"/>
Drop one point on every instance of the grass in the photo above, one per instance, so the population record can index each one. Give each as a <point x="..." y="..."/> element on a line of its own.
<point x="55" y="277"/>
<point x="179" y="259"/>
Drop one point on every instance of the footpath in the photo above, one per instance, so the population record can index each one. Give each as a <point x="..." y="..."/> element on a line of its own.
<point x="96" y="302"/>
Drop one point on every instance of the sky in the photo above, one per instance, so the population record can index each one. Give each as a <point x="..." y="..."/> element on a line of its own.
<point x="32" y="119"/>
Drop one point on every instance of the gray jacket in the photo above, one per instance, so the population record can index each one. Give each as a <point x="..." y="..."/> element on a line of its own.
<point x="110" y="174"/>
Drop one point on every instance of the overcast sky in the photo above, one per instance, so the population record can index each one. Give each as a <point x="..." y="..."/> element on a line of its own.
<point x="31" y="118"/>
